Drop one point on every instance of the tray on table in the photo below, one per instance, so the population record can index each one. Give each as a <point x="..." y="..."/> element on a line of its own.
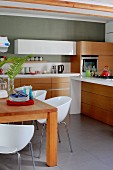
<point x="23" y="103"/>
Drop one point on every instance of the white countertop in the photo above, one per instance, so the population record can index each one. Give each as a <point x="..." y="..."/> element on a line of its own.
<point x="106" y="82"/>
<point x="42" y="75"/>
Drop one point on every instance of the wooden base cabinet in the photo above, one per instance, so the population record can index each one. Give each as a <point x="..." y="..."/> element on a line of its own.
<point x="97" y="102"/>
<point x="55" y="86"/>
<point x="38" y="84"/>
<point x="60" y="86"/>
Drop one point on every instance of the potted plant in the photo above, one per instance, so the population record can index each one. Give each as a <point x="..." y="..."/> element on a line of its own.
<point x="14" y="69"/>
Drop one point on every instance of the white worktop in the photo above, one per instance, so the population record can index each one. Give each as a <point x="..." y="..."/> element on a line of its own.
<point x="101" y="81"/>
<point x="42" y="75"/>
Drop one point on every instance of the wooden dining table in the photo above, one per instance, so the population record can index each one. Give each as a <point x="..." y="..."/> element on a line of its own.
<point x="39" y="110"/>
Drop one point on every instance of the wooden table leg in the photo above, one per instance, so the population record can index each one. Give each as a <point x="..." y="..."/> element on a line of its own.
<point x="51" y="137"/>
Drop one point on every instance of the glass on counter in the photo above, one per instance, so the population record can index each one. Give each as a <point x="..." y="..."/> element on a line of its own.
<point x="3" y="84"/>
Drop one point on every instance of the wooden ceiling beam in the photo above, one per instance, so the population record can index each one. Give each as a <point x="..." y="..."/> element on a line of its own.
<point x="62" y="12"/>
<point x="67" y="4"/>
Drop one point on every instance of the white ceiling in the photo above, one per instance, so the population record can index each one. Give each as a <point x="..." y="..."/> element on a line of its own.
<point x="47" y="11"/>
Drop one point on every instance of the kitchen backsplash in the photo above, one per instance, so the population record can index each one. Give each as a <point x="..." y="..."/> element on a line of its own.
<point x="40" y="67"/>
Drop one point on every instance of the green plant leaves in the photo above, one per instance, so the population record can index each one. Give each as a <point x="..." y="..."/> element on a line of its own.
<point x="16" y="65"/>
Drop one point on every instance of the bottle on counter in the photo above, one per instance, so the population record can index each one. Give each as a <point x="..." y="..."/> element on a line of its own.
<point x="30" y="93"/>
<point x="88" y="74"/>
<point x="53" y="70"/>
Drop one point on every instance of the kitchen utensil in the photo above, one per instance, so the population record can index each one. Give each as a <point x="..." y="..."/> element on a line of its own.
<point x="60" y="68"/>
<point x="106" y="71"/>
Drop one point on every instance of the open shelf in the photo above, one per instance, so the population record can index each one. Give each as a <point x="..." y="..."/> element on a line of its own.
<point x="35" y="61"/>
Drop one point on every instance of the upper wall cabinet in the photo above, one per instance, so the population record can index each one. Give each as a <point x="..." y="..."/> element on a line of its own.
<point x="94" y="48"/>
<point x="47" y="47"/>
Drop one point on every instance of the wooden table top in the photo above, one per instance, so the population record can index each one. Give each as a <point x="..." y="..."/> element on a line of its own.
<point x="38" y="107"/>
<point x="39" y="110"/>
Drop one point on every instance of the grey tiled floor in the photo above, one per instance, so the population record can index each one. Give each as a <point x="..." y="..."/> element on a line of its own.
<point x="92" y="143"/>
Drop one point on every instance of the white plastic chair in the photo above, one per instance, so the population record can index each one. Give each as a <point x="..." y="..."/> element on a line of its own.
<point x="3" y="94"/>
<point x="21" y="88"/>
<point x="39" y="94"/>
<point x="14" y="138"/>
<point x="63" y="104"/>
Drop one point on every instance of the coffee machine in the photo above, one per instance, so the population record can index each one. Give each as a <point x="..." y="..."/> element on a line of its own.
<point x="60" y="68"/>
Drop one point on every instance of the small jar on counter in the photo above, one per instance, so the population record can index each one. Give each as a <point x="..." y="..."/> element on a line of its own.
<point x="40" y="58"/>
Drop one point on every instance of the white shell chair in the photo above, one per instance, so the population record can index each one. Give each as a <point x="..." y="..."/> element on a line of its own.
<point x="3" y="94"/>
<point x="14" y="138"/>
<point x="21" y="88"/>
<point x="63" y="104"/>
<point x="39" y="94"/>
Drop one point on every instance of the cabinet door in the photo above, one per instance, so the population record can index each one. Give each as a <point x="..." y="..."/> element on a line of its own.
<point x="41" y="86"/>
<point x="96" y="48"/>
<point x="103" y="61"/>
<point x="60" y="80"/>
<point x="28" y="81"/>
<point x="60" y="86"/>
<point x="17" y="82"/>
<point x="61" y="92"/>
<point x="38" y="84"/>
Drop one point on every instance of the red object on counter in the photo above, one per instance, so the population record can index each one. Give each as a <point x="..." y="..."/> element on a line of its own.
<point x="1" y="71"/>
<point x="106" y="71"/>
<point x="26" y="103"/>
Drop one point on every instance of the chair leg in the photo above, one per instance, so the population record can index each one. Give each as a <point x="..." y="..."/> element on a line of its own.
<point x="19" y="161"/>
<point x="41" y="139"/>
<point x="59" y="136"/>
<point x="36" y="125"/>
<point x="68" y="135"/>
<point x="32" y="155"/>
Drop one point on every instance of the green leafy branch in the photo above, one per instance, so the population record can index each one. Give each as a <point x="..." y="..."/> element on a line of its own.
<point x="16" y="65"/>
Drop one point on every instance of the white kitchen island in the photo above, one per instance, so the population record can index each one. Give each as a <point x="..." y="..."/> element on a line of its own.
<point x="92" y="97"/>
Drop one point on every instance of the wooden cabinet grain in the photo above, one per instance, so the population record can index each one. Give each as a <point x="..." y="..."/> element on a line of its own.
<point x="38" y="84"/>
<point x="55" y="86"/>
<point x="95" y="48"/>
<point x="104" y="51"/>
<point x="60" y="86"/>
<point x="97" y="102"/>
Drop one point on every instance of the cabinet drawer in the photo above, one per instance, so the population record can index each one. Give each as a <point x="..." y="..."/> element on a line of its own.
<point x="26" y="81"/>
<point x="48" y="95"/>
<point x="41" y="86"/>
<point x="60" y="85"/>
<point x="100" y="101"/>
<point x="60" y="79"/>
<point x="17" y="83"/>
<point x="56" y="93"/>
<point x="98" y="89"/>
<point x="97" y="113"/>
